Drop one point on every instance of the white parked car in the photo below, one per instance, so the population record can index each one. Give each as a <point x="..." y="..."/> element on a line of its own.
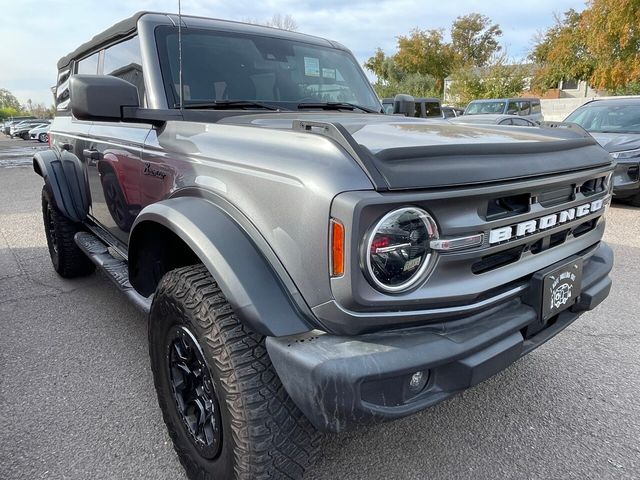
<point x="40" y="133"/>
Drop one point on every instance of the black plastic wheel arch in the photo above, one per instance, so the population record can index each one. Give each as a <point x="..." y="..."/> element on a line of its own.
<point x="65" y="178"/>
<point x="262" y="299"/>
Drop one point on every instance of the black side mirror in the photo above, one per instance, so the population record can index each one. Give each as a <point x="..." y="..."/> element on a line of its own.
<point x="101" y="97"/>
<point x="404" y="104"/>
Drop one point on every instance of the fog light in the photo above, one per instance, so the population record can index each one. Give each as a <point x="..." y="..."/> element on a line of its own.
<point x="417" y="381"/>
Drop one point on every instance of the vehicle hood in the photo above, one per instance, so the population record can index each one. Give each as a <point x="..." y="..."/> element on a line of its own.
<point x="411" y="153"/>
<point x="617" y="142"/>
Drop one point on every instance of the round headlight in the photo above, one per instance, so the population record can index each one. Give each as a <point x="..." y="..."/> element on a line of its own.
<point x="397" y="250"/>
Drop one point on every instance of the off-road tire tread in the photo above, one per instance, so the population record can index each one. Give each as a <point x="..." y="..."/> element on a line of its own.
<point x="71" y="261"/>
<point x="273" y="439"/>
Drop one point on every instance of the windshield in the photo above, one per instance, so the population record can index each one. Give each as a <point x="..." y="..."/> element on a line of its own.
<point x="476" y="108"/>
<point x="607" y="118"/>
<point x="229" y="66"/>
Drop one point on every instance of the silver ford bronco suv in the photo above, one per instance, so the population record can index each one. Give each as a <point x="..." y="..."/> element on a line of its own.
<point x="308" y="263"/>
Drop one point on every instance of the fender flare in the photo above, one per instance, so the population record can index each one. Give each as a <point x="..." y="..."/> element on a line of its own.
<point x="266" y="301"/>
<point x="65" y="178"/>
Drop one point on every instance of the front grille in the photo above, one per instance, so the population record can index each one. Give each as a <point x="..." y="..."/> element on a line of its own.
<point x="556" y="196"/>
<point x="497" y="260"/>
<point x="504" y="207"/>
<point x="512" y="255"/>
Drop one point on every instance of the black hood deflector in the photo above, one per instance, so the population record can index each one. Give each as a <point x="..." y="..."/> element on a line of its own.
<point x="435" y="166"/>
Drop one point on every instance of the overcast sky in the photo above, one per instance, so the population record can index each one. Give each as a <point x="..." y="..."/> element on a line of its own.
<point x="36" y="33"/>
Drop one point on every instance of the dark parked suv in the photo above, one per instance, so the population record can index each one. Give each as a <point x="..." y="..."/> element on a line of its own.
<point x="308" y="263"/>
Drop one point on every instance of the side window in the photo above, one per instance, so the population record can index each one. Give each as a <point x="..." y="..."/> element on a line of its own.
<point x="418" y="112"/>
<point x="432" y="110"/>
<point x="512" y="109"/>
<point x="525" y="108"/>
<point x="62" y="90"/>
<point x="523" y="122"/>
<point x="88" y="65"/>
<point x="448" y="112"/>
<point x="535" y="107"/>
<point x="506" y="121"/>
<point x="124" y="61"/>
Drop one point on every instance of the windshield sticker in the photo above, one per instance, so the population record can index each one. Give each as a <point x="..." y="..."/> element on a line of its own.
<point x="311" y="67"/>
<point x="329" y="73"/>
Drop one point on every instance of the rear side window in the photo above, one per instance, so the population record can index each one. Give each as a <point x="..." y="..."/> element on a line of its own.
<point x="124" y="61"/>
<point x="62" y="90"/>
<point x="418" y="112"/>
<point x="432" y="109"/>
<point x="448" y="112"/>
<point x="88" y="65"/>
<point x="524" y="108"/>
<point x="523" y="122"/>
<point x="535" y="107"/>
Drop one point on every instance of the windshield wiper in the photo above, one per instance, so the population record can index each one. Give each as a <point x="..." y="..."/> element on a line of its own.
<point x="229" y="104"/>
<point x="336" y="106"/>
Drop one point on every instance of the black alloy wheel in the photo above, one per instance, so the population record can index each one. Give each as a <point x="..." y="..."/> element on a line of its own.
<point x="193" y="391"/>
<point x="51" y="228"/>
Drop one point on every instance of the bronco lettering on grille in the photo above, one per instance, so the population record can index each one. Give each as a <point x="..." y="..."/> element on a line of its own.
<point x="503" y="234"/>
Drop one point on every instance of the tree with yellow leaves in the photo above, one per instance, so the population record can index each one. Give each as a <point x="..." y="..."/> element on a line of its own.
<point x="600" y="44"/>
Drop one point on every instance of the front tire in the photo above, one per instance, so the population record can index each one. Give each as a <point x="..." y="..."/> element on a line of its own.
<point x="225" y="408"/>
<point x="43" y="138"/>
<point x="68" y="260"/>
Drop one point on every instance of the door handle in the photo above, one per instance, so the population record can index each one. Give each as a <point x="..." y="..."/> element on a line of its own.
<point x="91" y="154"/>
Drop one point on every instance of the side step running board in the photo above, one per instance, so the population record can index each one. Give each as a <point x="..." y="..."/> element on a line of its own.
<point x="114" y="268"/>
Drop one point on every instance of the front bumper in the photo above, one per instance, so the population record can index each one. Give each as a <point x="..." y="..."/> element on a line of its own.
<point x="340" y="382"/>
<point x="626" y="179"/>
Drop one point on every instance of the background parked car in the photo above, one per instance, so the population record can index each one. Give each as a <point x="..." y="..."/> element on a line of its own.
<point x="40" y="133"/>
<point x="451" y="112"/>
<point x="523" y="107"/>
<point x="22" y="129"/>
<point x="13" y="120"/>
<point x="424" y="107"/>
<point x="492" y="119"/>
<point x="615" y="124"/>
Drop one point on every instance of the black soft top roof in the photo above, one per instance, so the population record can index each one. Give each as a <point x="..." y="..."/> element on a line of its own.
<point x="128" y="26"/>
<point x="119" y="30"/>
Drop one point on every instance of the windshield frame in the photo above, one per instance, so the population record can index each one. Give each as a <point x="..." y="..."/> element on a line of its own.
<point x="161" y="33"/>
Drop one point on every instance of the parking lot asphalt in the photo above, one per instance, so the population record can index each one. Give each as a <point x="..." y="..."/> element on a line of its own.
<point x="77" y="399"/>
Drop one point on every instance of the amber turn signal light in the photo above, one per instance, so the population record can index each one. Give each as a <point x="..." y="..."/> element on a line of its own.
<point x="337" y="248"/>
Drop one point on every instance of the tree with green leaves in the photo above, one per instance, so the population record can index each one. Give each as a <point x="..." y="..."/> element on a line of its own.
<point x="8" y="100"/>
<point x="425" y="52"/>
<point x="423" y="59"/>
<point x="497" y="80"/>
<point x="474" y="39"/>
<point x="391" y="79"/>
